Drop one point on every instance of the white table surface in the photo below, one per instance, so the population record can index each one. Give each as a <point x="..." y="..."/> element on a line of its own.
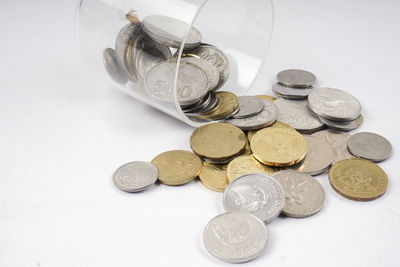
<point x="63" y="133"/>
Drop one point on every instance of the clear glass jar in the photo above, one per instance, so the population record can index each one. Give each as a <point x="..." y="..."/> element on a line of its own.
<point x="242" y="29"/>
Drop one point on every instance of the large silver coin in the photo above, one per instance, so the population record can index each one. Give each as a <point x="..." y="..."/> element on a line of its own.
<point x="334" y="104"/>
<point x="318" y="158"/>
<point x="192" y="83"/>
<point x="291" y="93"/>
<point x="257" y="194"/>
<point x="297" y="114"/>
<point x="124" y="45"/>
<point x="342" y="125"/>
<point x="263" y="119"/>
<point x="304" y="194"/>
<point x="296" y="78"/>
<point x="209" y="69"/>
<point x="147" y="53"/>
<point x="214" y="56"/>
<point x="235" y="237"/>
<point x="338" y="141"/>
<point x="369" y="146"/>
<point x="113" y="67"/>
<point x="248" y="106"/>
<point x="135" y="176"/>
<point x="170" y="31"/>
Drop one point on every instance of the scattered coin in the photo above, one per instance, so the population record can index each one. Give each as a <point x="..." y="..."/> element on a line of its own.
<point x="235" y="237"/>
<point x="358" y="179"/>
<point x="296" y="78"/>
<point x="291" y="93"/>
<point x="214" y="177"/>
<point x="170" y="31"/>
<point x="266" y="97"/>
<point x="343" y="125"/>
<point x="297" y="114"/>
<point x="334" y="104"/>
<point x="229" y="103"/>
<point x="369" y="146"/>
<point x="217" y="141"/>
<point x="113" y="67"/>
<point x="248" y="106"/>
<point x="304" y="194"/>
<point x="318" y="158"/>
<point x="246" y="164"/>
<point x="279" y="147"/>
<point x="258" y="194"/>
<point x="135" y="176"/>
<point x="338" y="141"/>
<point x="177" y="167"/>
<point x="276" y="124"/>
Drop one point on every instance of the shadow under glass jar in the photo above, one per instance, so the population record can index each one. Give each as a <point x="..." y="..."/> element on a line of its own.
<point x="171" y="53"/>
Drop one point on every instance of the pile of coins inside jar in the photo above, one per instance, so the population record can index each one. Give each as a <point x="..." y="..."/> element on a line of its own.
<point x="263" y="152"/>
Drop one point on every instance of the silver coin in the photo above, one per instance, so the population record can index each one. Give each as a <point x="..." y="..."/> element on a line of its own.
<point x="170" y="31"/>
<point x="334" y="104"/>
<point x="235" y="237"/>
<point x="338" y="141"/>
<point x="147" y="53"/>
<point x="258" y="194"/>
<point x="248" y="106"/>
<point x="296" y="78"/>
<point x="369" y="146"/>
<point x="211" y="103"/>
<point x="297" y="114"/>
<point x="199" y="105"/>
<point x="113" y="67"/>
<point x="216" y="57"/>
<point x="318" y="158"/>
<point x="342" y="125"/>
<point x="304" y="194"/>
<point x="291" y="93"/>
<point x="263" y="119"/>
<point x="124" y="45"/>
<point x="208" y="68"/>
<point x="192" y="84"/>
<point x="135" y="176"/>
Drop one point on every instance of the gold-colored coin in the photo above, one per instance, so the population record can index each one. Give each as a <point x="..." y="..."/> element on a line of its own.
<point x="177" y="167"/>
<point x="214" y="176"/>
<point x="245" y="165"/>
<point x="217" y="141"/>
<point x="266" y="97"/>
<point x="358" y="179"/>
<point x="276" y="124"/>
<point x="229" y="103"/>
<point x="247" y="149"/>
<point x="278" y="146"/>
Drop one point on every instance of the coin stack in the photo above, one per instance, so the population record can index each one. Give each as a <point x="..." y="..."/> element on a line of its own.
<point x="264" y="153"/>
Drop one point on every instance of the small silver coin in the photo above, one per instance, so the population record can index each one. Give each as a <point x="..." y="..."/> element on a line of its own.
<point x="263" y="119"/>
<point x="258" y="194"/>
<point x="235" y="237"/>
<point x="113" y="67"/>
<point x="369" y="146"/>
<point x="211" y="103"/>
<point x="170" y="31"/>
<point x="135" y="176"/>
<point x="296" y="78"/>
<point x="304" y="194"/>
<point x="342" y="125"/>
<point x="124" y="45"/>
<point x="291" y="93"/>
<point x="216" y="57"/>
<point x="297" y="114"/>
<point x="208" y="68"/>
<point x="248" y="106"/>
<point x="334" y="104"/>
<point x="192" y="83"/>
<point x="338" y="141"/>
<point x="318" y="158"/>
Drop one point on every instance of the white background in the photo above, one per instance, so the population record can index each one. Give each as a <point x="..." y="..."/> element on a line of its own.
<point x="63" y="133"/>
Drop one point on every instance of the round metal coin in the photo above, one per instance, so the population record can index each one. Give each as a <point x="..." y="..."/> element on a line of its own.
<point x="214" y="176"/>
<point x="258" y="194"/>
<point x="338" y="141"/>
<point x="248" y="106"/>
<point x="229" y="104"/>
<point x="291" y="93"/>
<point x="276" y="124"/>
<point x="342" y="125"/>
<point x="369" y="146"/>
<point x="235" y="237"/>
<point x="208" y="68"/>
<point x="246" y="164"/>
<point x="296" y="78"/>
<point x="135" y="176"/>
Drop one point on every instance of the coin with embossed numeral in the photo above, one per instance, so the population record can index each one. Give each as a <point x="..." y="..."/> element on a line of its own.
<point x="135" y="176"/>
<point x="304" y="194"/>
<point x="235" y="237"/>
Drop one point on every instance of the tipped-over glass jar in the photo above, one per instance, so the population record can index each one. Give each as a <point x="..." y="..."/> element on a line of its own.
<point x="187" y="58"/>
